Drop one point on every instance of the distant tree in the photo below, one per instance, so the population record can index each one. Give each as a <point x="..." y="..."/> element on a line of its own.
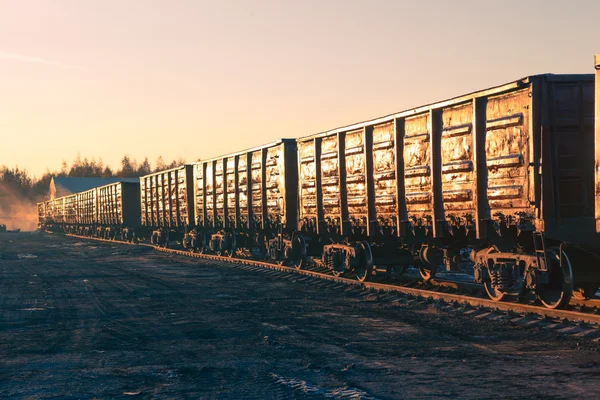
<point x="160" y="164"/>
<point x="127" y="169"/>
<point x="64" y="170"/>
<point x="144" y="168"/>
<point x="99" y="167"/>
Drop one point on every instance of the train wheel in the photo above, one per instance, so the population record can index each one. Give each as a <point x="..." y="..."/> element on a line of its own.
<point x="430" y="259"/>
<point x="364" y="272"/>
<point x="233" y="248"/>
<point x="426" y="273"/>
<point x="199" y="242"/>
<point x="493" y="292"/>
<point x="558" y="291"/>
<point x="298" y="258"/>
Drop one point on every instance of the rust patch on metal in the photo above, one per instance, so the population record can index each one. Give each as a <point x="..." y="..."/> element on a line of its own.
<point x="417" y="169"/>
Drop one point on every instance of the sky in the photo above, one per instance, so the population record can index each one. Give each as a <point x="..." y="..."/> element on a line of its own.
<point x="198" y="79"/>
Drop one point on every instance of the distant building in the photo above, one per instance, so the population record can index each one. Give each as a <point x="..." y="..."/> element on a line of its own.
<point x="65" y="186"/>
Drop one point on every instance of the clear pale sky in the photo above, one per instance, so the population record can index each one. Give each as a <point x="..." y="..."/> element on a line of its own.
<point x="198" y="79"/>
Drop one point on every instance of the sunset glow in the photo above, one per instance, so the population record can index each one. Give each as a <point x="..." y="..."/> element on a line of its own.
<point x="111" y="78"/>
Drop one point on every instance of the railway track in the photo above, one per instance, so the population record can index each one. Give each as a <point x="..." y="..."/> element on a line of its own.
<point x="581" y="320"/>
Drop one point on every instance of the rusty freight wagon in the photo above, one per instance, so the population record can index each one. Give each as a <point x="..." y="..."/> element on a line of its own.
<point x="55" y="212"/>
<point x="109" y="211"/>
<point x="507" y="171"/>
<point x="167" y="207"/>
<point x="41" y="211"/>
<point x="117" y="211"/>
<point x="249" y="200"/>
<point x="71" y="208"/>
<point x="88" y="212"/>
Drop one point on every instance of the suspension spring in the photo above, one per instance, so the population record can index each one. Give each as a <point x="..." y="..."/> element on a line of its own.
<point x="502" y="277"/>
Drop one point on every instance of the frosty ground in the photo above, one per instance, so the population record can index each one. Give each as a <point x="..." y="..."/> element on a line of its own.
<point x="83" y="319"/>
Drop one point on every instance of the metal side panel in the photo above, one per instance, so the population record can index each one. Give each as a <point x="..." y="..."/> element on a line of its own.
<point x="384" y="174"/>
<point x="185" y="195"/>
<point x="275" y="184"/>
<point x="198" y="193"/>
<point x="41" y="209"/>
<point x="330" y="180"/>
<point x="230" y="192"/>
<point x="220" y="192"/>
<point x="160" y="208"/>
<point x="173" y="197"/>
<point x="143" y="204"/>
<point x="356" y="182"/>
<point x="152" y="200"/>
<point x="236" y="215"/>
<point x="402" y="215"/>
<point x="508" y="145"/>
<point x="209" y="194"/>
<point x="180" y="196"/>
<point x="573" y="149"/>
<point x="417" y="168"/>
<point x="597" y="144"/>
<point x="307" y="180"/>
<point x="289" y="170"/>
<point x="242" y="189"/>
<point x="70" y="209"/>
<point x="131" y="203"/>
<point x="457" y="158"/>
<point x="256" y="173"/>
<point x="168" y="192"/>
<point x="482" y="212"/>
<point x="117" y="217"/>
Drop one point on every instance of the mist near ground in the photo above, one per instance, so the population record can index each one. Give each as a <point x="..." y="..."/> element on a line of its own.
<point x="20" y="191"/>
<point x="17" y="211"/>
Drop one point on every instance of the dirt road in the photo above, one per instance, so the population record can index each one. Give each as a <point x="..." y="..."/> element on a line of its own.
<point x="85" y="319"/>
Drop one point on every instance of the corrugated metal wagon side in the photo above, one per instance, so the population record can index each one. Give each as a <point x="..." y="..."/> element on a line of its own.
<point x="245" y="199"/>
<point x="167" y="203"/>
<point x="88" y="211"/>
<point x="118" y="210"/>
<point x="430" y="181"/>
<point x="41" y="211"/>
<point x="597" y="143"/>
<point x="71" y="211"/>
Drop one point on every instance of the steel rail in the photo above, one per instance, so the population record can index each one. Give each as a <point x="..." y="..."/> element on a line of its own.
<point x="575" y="316"/>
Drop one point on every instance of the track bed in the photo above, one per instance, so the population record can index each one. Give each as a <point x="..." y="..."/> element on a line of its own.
<point x="90" y="319"/>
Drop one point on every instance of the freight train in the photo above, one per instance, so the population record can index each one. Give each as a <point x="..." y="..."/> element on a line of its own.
<point x="109" y="212"/>
<point x="510" y="173"/>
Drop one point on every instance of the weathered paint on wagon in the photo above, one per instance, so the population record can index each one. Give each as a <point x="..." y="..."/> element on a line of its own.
<point x="250" y="190"/>
<point x="119" y="204"/>
<point x="464" y="163"/>
<point x="597" y="144"/>
<point x="167" y="198"/>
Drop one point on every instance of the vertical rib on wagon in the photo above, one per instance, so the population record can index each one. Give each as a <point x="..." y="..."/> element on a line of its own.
<point x="597" y="140"/>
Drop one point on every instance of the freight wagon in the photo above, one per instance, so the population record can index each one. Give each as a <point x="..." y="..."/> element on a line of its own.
<point x="510" y="172"/>
<point x="41" y="210"/>
<point x="117" y="210"/>
<point x="167" y="206"/>
<point x="507" y="171"/>
<point x="110" y="211"/>
<point x="248" y="200"/>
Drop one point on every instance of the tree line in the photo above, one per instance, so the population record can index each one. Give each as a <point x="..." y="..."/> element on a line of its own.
<point x="16" y="183"/>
